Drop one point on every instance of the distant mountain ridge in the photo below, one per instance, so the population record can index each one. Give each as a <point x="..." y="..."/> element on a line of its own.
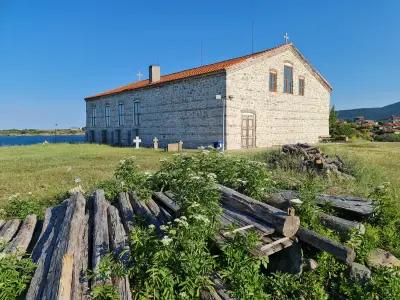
<point x="377" y="113"/>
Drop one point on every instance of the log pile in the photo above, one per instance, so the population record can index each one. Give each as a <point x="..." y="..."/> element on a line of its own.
<point x="311" y="159"/>
<point x="78" y="233"/>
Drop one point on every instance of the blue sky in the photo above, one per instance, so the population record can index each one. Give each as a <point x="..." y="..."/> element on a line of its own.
<point x="54" y="53"/>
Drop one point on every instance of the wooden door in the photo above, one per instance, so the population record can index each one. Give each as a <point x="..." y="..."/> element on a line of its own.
<point x="248" y="130"/>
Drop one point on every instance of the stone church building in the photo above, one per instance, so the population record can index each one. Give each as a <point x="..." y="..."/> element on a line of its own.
<point x="267" y="98"/>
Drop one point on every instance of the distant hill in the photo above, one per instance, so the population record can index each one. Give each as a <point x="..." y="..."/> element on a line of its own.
<point x="378" y="113"/>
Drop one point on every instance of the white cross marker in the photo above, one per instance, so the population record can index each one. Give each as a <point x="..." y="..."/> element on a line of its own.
<point x="139" y="75"/>
<point x="155" y="143"/>
<point x="286" y="37"/>
<point x="137" y="141"/>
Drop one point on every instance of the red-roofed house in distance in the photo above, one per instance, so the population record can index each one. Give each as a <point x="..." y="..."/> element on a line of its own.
<point x="271" y="97"/>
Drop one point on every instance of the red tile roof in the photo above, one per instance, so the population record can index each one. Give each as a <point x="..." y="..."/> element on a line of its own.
<point x="206" y="69"/>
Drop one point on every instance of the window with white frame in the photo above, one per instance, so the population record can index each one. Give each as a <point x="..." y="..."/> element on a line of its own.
<point x="93" y="116"/>
<point x="108" y="115"/>
<point x="121" y="120"/>
<point x="136" y="120"/>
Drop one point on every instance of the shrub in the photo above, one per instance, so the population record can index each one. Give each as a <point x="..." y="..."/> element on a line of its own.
<point x="387" y="137"/>
<point x="111" y="187"/>
<point x="20" y="207"/>
<point x="15" y="275"/>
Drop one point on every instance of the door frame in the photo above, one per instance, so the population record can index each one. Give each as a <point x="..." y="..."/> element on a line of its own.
<point x="250" y="131"/>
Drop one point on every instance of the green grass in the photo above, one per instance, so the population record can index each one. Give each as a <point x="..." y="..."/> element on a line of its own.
<point x="44" y="172"/>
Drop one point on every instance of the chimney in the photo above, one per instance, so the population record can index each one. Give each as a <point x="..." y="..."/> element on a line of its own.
<point x="154" y="73"/>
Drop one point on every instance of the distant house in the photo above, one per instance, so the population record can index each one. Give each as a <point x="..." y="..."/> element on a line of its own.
<point x="271" y="97"/>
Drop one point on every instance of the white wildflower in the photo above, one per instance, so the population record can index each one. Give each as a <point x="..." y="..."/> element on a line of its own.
<point x="202" y="218"/>
<point x="166" y="240"/>
<point x="77" y="180"/>
<point x="151" y="226"/>
<point x="69" y="169"/>
<point x="194" y="204"/>
<point x="163" y="227"/>
<point x="122" y="161"/>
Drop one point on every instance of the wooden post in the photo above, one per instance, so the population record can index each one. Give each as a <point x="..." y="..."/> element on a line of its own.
<point x="66" y="277"/>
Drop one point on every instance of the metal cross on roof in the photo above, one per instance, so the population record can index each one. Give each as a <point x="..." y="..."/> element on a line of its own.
<point x="139" y="75"/>
<point x="286" y="37"/>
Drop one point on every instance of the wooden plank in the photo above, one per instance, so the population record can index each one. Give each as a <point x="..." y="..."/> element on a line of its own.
<point x="270" y="245"/>
<point x="21" y="241"/>
<point x="101" y="242"/>
<point x="140" y="208"/>
<point x="356" y="206"/>
<point x="66" y="277"/>
<point x="8" y="230"/>
<point x="157" y="212"/>
<point x="126" y="211"/>
<point x="119" y="246"/>
<point x="284" y="223"/>
<point x="67" y="242"/>
<point x="341" y="252"/>
<point x="44" y="248"/>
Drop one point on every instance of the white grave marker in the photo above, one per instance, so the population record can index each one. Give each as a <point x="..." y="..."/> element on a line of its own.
<point x="137" y="142"/>
<point x="155" y="143"/>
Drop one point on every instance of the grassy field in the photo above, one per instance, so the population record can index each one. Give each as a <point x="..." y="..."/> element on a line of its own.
<point x="44" y="172"/>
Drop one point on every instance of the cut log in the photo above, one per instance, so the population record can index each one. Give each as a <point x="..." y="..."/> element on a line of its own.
<point x="217" y="292"/>
<point x="341" y="252"/>
<point x="167" y="203"/>
<point x="342" y="226"/>
<point x="67" y="242"/>
<point x="140" y="208"/>
<point x="100" y="244"/>
<point x="126" y="211"/>
<point x="44" y="248"/>
<point x="8" y="230"/>
<point x="280" y="220"/>
<point x="21" y="241"/>
<point x="120" y="248"/>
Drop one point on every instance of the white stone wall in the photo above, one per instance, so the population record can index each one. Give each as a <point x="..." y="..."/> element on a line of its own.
<point x="182" y="110"/>
<point x="280" y="118"/>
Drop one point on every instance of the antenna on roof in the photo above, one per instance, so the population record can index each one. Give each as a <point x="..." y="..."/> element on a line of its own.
<point x="252" y="37"/>
<point x="201" y="53"/>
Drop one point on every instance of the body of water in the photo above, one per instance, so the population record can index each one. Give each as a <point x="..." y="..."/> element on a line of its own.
<point x="39" y="139"/>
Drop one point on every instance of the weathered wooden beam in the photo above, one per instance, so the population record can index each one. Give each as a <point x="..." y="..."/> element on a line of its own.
<point x="355" y="206"/>
<point x="127" y="214"/>
<point x="246" y="219"/>
<point x="167" y="203"/>
<point x="21" y="241"/>
<point x="101" y="242"/>
<point x="158" y="212"/>
<point x="44" y="248"/>
<point x="67" y="242"/>
<point x="284" y="223"/>
<point x="8" y="230"/>
<point x="342" y="226"/>
<point x="140" y="208"/>
<point x="341" y="252"/>
<point x="120" y="248"/>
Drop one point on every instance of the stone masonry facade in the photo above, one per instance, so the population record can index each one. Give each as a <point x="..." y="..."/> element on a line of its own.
<point x="188" y="110"/>
<point x="184" y="110"/>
